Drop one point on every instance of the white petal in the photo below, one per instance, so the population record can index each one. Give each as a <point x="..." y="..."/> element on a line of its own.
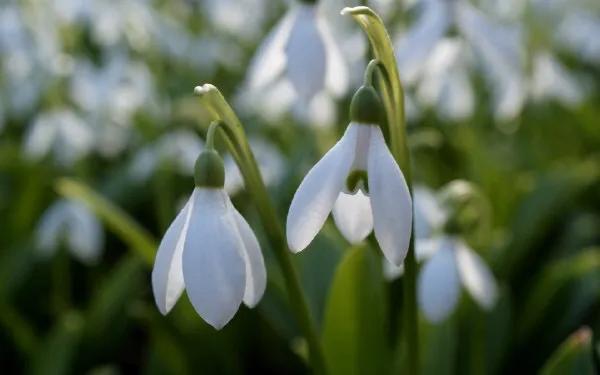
<point x="336" y="76"/>
<point x="269" y="61"/>
<point x="167" y="274"/>
<point x="390" y="200"/>
<point x="438" y="285"/>
<point x="476" y="276"/>
<point x="318" y="192"/>
<point x="353" y="217"/>
<point x="214" y="270"/>
<point x="85" y="237"/>
<point x="256" y="274"/>
<point x="391" y="271"/>
<point x="429" y="214"/>
<point x="415" y="47"/>
<point x="305" y="51"/>
<point x="424" y="249"/>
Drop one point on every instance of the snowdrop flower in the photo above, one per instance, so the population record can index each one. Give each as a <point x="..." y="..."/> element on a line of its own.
<point x="454" y="264"/>
<point x="72" y="224"/>
<point x="551" y="80"/>
<point x="109" y="96"/>
<point x="361" y="182"/>
<point x="180" y="148"/>
<point x="300" y="53"/>
<point x="210" y="251"/>
<point x="60" y="132"/>
<point x="497" y="46"/>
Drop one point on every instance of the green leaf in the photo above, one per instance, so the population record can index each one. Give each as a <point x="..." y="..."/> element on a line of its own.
<point x="56" y="354"/>
<point x="113" y="295"/>
<point x="117" y="220"/>
<point x="355" y="324"/>
<point x="574" y="356"/>
<point x="553" y="278"/>
<point x="439" y="347"/>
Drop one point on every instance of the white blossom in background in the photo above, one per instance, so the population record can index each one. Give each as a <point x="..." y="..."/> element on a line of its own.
<point x="25" y="60"/>
<point x="181" y="148"/>
<point x="428" y="220"/>
<point x="454" y="264"/>
<point x="70" y="224"/>
<point x="270" y="163"/>
<point x="243" y="18"/>
<point x="178" y="148"/>
<point x="301" y="58"/>
<point x="386" y="208"/>
<point x="129" y="21"/>
<point x="210" y="251"/>
<point x="497" y="48"/>
<point x="59" y="133"/>
<point x="551" y="80"/>
<point x="109" y="96"/>
<point x="449" y="263"/>
<point x="575" y="23"/>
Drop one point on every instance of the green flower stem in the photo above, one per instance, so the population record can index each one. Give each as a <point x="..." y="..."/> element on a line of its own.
<point x="393" y="99"/>
<point x="237" y="143"/>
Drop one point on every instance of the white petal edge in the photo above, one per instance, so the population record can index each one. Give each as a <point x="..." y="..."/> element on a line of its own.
<point x="269" y="61"/>
<point x="167" y="273"/>
<point x="390" y="200"/>
<point x="305" y="54"/>
<point x="214" y="270"/>
<point x="353" y="217"/>
<point x="256" y="273"/>
<point x="318" y="192"/>
<point x="336" y="74"/>
<point x="439" y="285"/>
<point x="476" y="276"/>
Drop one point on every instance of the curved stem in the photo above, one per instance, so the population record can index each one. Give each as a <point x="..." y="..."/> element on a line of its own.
<point x="392" y="94"/>
<point x="237" y="143"/>
<point x="210" y="134"/>
<point x="370" y="72"/>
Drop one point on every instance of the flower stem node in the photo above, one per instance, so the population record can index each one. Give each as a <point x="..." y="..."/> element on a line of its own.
<point x="209" y="170"/>
<point x="366" y="106"/>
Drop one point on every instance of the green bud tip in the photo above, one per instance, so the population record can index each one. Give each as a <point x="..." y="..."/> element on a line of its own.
<point x="366" y="107"/>
<point x="209" y="170"/>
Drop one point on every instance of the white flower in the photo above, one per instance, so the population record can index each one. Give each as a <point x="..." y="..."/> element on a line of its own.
<point x="300" y="52"/>
<point x="210" y="251"/>
<point x="553" y="81"/>
<point x="429" y="217"/>
<point x="497" y="46"/>
<point x="386" y="207"/>
<point x="72" y="224"/>
<point x="179" y="148"/>
<point x="62" y="133"/>
<point x="440" y="279"/>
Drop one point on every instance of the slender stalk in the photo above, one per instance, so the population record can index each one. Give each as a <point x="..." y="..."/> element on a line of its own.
<point x="237" y="143"/>
<point x="393" y="99"/>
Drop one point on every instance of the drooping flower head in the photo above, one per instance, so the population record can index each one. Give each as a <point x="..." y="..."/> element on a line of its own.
<point x="361" y="182"/>
<point x="300" y="61"/>
<point x="210" y="251"/>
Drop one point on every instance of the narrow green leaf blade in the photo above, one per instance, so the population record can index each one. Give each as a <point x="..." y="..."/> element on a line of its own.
<point x="574" y="356"/>
<point x="355" y="331"/>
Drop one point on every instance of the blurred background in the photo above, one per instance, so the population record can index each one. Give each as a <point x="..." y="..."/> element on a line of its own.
<point x="99" y="130"/>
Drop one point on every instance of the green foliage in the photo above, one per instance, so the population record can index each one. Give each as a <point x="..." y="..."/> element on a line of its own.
<point x="355" y="332"/>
